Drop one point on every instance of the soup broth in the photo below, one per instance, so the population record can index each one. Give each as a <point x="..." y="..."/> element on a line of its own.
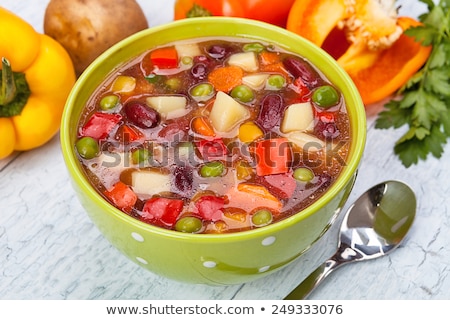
<point x="214" y="135"/>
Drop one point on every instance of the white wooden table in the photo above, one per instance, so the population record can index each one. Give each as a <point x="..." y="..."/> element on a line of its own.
<point x="49" y="249"/>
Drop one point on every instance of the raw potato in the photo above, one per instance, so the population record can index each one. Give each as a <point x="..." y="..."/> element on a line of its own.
<point x="87" y="28"/>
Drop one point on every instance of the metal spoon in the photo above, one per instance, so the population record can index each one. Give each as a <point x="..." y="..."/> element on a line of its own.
<point x="372" y="227"/>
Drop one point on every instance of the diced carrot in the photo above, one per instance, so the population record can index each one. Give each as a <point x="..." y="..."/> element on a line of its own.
<point x="165" y="58"/>
<point x="226" y="78"/>
<point x="267" y="57"/>
<point x="122" y="196"/>
<point x="270" y="62"/>
<point x="275" y="68"/>
<point x="202" y="126"/>
<point x="250" y="196"/>
<point x="256" y="190"/>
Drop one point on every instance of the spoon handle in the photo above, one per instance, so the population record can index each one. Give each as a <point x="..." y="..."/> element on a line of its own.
<point x="317" y="276"/>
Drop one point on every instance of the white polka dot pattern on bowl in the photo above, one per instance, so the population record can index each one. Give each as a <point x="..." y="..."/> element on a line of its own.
<point x="210" y="264"/>
<point x="136" y="236"/>
<point x="268" y="241"/>
<point x="141" y="260"/>
<point x="263" y="269"/>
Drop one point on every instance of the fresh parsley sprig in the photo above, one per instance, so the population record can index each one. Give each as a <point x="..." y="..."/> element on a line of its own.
<point x="424" y="103"/>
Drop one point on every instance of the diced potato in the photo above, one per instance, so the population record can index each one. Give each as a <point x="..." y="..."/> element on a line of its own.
<point x="245" y="60"/>
<point x="298" y="117"/>
<point x="226" y="113"/>
<point x="255" y="81"/>
<point x="169" y="107"/>
<point x="306" y="141"/>
<point x="188" y="50"/>
<point x="150" y="182"/>
<point x="123" y="84"/>
<point x="108" y="163"/>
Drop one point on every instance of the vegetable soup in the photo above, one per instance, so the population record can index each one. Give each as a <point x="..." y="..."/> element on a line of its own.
<point x="214" y="135"/>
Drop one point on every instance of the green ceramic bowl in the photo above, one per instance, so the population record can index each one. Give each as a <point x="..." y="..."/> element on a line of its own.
<point x="212" y="258"/>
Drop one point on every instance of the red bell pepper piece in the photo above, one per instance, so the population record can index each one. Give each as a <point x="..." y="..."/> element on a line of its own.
<point x="122" y="196"/>
<point x="212" y="149"/>
<point x="210" y="207"/>
<point x="303" y="91"/>
<point x="162" y="211"/>
<point x="325" y="116"/>
<point x="273" y="156"/>
<point x="100" y="125"/>
<point x="128" y="134"/>
<point x="165" y="58"/>
<point x="280" y="185"/>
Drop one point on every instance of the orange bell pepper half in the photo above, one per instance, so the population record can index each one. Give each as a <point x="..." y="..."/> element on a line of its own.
<point x="377" y="73"/>
<point x="390" y="69"/>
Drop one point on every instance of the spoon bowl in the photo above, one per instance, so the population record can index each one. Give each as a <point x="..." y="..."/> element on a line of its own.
<point x="372" y="227"/>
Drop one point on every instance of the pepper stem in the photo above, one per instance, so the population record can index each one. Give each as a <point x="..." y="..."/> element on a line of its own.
<point x="198" y="11"/>
<point x="8" y="86"/>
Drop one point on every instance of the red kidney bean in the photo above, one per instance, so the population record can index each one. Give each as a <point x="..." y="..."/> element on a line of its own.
<point x="183" y="178"/>
<point x="174" y="131"/>
<point x="270" y="112"/>
<point x="300" y="68"/>
<point x="199" y="71"/>
<point x="218" y="52"/>
<point x="141" y="115"/>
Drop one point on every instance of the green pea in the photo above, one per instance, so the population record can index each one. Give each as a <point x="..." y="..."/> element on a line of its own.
<point x="189" y="225"/>
<point x="303" y="174"/>
<point x="212" y="169"/>
<point x="255" y="47"/>
<point x="202" y="90"/>
<point x="276" y="81"/>
<point x="186" y="60"/>
<point x="140" y="155"/>
<point x="173" y="83"/>
<point x="242" y="93"/>
<point x="87" y="147"/>
<point x="109" y="102"/>
<point x="262" y="218"/>
<point x="325" y="96"/>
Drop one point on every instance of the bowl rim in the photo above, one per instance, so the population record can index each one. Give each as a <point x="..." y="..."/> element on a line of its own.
<point x="357" y="119"/>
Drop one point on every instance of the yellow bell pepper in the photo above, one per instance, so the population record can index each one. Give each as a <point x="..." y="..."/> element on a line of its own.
<point x="36" y="76"/>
